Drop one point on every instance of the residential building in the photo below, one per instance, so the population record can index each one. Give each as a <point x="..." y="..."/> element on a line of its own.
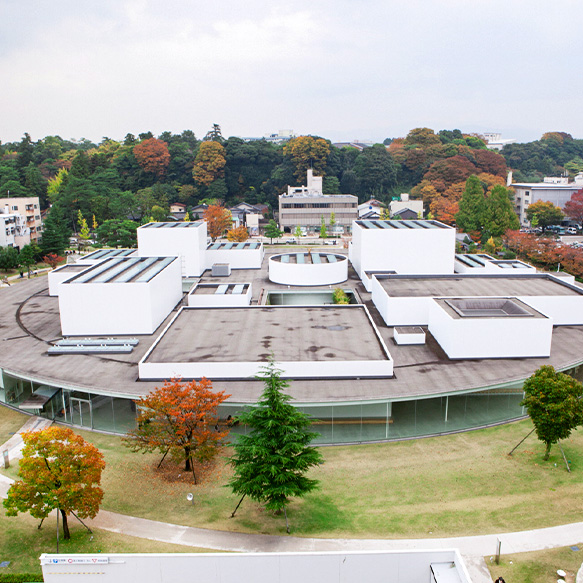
<point x="247" y="215"/>
<point x="406" y="208"/>
<point x="29" y="208"/>
<point x="304" y="206"/>
<point x="557" y="190"/>
<point x="178" y="211"/>
<point x="372" y="205"/>
<point x="14" y="231"/>
<point x="494" y="141"/>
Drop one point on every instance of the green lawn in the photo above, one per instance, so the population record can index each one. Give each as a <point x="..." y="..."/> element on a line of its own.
<point x="22" y="543"/>
<point x="453" y="485"/>
<point x="446" y="486"/>
<point x="538" y="566"/>
<point x="10" y="422"/>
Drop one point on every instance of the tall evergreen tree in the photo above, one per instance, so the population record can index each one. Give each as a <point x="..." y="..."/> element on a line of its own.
<point x="55" y="233"/>
<point x="470" y="217"/>
<point x="499" y="216"/>
<point x="270" y="462"/>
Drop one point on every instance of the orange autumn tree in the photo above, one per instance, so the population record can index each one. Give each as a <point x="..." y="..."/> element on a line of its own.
<point x="239" y="234"/>
<point x="153" y="156"/>
<point x="218" y="220"/>
<point x="444" y="210"/>
<point x="179" y="419"/>
<point x="58" y="470"/>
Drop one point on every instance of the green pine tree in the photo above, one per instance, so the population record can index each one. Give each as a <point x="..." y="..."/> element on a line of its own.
<point x="55" y="234"/>
<point x="472" y="205"/>
<point x="499" y="213"/>
<point x="270" y="462"/>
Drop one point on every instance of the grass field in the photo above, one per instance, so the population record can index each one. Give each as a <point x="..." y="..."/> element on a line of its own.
<point x="538" y="566"/>
<point x="10" y="422"/>
<point x="453" y="485"/>
<point x="460" y="484"/>
<point x="22" y="543"/>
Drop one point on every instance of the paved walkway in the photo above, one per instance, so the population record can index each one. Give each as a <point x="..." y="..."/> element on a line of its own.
<point x="15" y="443"/>
<point x="472" y="548"/>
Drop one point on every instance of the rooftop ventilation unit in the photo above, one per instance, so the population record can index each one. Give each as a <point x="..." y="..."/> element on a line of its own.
<point x="221" y="270"/>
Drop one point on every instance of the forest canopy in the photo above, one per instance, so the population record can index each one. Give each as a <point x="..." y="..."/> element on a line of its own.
<point x="138" y="177"/>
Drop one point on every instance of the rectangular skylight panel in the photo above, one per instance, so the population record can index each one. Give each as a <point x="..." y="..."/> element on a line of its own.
<point x="94" y="272"/>
<point x="154" y="269"/>
<point x="136" y="269"/>
<point x="115" y="270"/>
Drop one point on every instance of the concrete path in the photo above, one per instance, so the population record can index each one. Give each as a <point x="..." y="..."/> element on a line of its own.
<point x="472" y="548"/>
<point x="14" y="444"/>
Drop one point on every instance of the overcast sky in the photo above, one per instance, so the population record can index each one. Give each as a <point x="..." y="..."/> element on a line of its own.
<point x="343" y="69"/>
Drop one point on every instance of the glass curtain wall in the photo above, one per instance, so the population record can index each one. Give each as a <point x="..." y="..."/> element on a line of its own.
<point x="336" y="424"/>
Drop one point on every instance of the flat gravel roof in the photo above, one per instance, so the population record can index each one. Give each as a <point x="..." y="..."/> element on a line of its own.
<point x="253" y="334"/>
<point x="475" y="285"/>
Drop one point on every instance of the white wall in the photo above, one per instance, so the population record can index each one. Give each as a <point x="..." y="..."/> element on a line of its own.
<point x="414" y="310"/>
<point x="406" y="251"/>
<point x="91" y="309"/>
<point x="564" y="310"/>
<point x="220" y="300"/>
<point x="56" y="276"/>
<point x="291" y="369"/>
<point x="506" y="337"/>
<point x="400" y="311"/>
<point x="308" y="273"/>
<point x="333" y="567"/>
<point x="189" y="243"/>
<point x="236" y="258"/>
<point x="494" y="267"/>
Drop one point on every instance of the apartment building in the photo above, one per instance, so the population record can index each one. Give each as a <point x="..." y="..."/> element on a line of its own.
<point x="14" y="231"/>
<point x="29" y="208"/>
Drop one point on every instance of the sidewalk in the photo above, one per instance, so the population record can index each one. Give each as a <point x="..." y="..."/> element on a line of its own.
<point x="15" y="278"/>
<point x="14" y="444"/>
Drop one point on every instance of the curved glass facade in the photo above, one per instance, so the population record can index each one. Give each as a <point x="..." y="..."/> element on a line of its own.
<point x="337" y="424"/>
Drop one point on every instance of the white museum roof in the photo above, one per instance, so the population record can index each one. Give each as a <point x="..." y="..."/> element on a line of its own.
<point x="173" y="225"/>
<point x="404" y="225"/>
<point x="123" y="270"/>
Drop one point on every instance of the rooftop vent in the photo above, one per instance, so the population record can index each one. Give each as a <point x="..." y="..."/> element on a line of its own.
<point x="221" y="270"/>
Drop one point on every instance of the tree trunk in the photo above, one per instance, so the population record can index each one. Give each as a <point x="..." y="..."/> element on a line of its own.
<point x="66" y="533"/>
<point x="188" y="463"/>
<point x="547" y="452"/>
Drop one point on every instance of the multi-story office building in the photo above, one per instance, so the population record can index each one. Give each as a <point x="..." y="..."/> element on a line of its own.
<point x="557" y="190"/>
<point x="304" y="206"/>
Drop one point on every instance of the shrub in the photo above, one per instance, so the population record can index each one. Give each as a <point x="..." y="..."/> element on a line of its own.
<point x="340" y="297"/>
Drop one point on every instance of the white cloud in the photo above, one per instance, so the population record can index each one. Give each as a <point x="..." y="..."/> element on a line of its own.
<point x="381" y="66"/>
